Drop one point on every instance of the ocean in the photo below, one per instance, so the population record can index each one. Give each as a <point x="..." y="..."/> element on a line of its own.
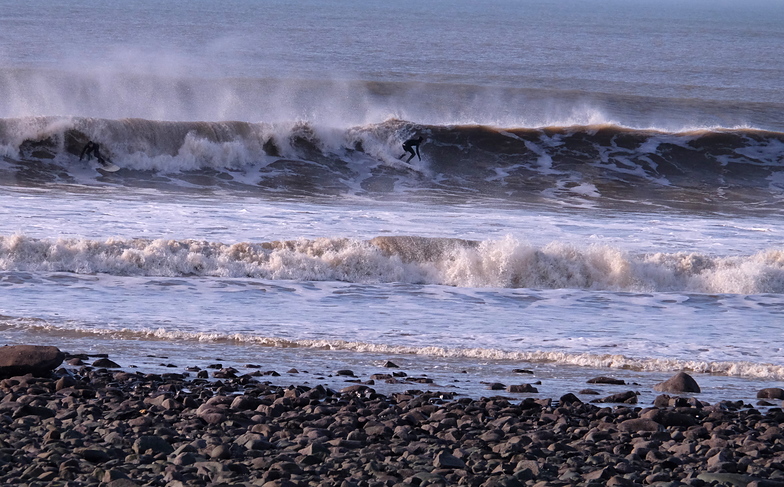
<point x="599" y="192"/>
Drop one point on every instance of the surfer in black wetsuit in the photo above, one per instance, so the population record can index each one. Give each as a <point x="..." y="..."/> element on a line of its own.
<point x="411" y="146"/>
<point x="92" y="149"/>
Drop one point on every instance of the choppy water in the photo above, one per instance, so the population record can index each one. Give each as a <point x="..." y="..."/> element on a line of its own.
<point x="599" y="191"/>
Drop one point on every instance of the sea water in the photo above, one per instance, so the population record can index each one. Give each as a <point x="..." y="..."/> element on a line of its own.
<point x="599" y="192"/>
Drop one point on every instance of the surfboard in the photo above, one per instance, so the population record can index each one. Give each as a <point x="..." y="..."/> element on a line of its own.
<point x="108" y="167"/>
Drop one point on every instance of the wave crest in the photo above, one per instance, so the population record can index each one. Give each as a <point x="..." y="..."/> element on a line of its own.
<point x="594" y="162"/>
<point x="417" y="260"/>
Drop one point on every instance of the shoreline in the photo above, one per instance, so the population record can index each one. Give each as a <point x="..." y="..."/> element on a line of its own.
<point x="92" y="425"/>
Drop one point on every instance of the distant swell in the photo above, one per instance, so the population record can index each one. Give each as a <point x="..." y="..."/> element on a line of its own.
<point x="417" y="260"/>
<point x="595" y="162"/>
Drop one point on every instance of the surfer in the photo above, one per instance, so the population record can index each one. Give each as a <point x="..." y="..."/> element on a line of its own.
<point x="92" y="149"/>
<point x="411" y="146"/>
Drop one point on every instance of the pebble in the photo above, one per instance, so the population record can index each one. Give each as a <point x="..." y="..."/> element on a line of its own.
<point x="121" y="429"/>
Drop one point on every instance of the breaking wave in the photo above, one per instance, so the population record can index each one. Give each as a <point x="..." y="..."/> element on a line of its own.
<point x="748" y="370"/>
<point x="505" y="263"/>
<point x="586" y="161"/>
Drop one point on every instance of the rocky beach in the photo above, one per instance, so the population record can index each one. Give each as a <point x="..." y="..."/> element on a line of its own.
<point x="78" y="420"/>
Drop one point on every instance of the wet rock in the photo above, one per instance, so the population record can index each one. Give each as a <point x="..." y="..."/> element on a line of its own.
<point x="29" y="359"/>
<point x="522" y="388"/>
<point x="569" y="399"/>
<point x="607" y="380"/>
<point x="589" y="392"/>
<point x="771" y="393"/>
<point x="629" y="397"/>
<point x="679" y="383"/>
<point x="106" y="364"/>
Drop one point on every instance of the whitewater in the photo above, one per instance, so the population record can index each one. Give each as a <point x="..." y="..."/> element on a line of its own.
<point x="599" y="191"/>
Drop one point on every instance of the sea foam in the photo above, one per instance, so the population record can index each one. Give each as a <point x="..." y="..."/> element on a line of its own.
<point x="505" y="263"/>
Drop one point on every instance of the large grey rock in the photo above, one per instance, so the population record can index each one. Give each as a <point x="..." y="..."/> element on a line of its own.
<point x="29" y="359"/>
<point x="154" y="443"/>
<point x="771" y="393"/>
<point x="669" y="418"/>
<point x="639" y="424"/>
<point x="447" y="460"/>
<point x="680" y="382"/>
<point x="106" y="363"/>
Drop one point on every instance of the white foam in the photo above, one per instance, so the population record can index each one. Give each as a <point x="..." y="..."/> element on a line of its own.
<point x="493" y="263"/>
<point x="742" y="369"/>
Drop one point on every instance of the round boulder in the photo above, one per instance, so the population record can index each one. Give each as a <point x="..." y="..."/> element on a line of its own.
<point x="29" y="359"/>
<point x="679" y="383"/>
<point x="771" y="393"/>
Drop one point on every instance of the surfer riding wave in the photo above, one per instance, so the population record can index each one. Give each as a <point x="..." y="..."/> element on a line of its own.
<point x="411" y="146"/>
<point x="92" y="149"/>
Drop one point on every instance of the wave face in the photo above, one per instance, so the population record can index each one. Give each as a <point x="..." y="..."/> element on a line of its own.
<point x="591" y="162"/>
<point x="415" y="260"/>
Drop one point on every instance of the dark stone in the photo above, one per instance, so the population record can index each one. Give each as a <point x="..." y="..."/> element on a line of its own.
<point x="29" y="359"/>
<point x="220" y="452"/>
<point x="589" y="392"/>
<point x="607" y="380"/>
<point x="639" y="424"/>
<point x="669" y="418"/>
<point x="65" y="382"/>
<point x="771" y="393"/>
<point x="679" y="383"/>
<point x="447" y="460"/>
<point x="569" y="399"/>
<point x="522" y="388"/>
<point x="154" y="443"/>
<point x="629" y="397"/>
<point x="94" y="455"/>
<point x="28" y="410"/>
<point x="106" y="364"/>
